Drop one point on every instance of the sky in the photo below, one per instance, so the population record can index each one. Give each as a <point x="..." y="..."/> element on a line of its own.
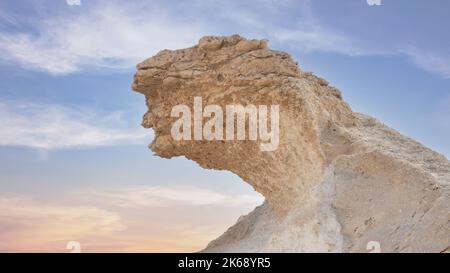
<point x="74" y="162"/>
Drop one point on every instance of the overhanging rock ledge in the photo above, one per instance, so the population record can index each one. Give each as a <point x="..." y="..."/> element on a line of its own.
<point x="338" y="179"/>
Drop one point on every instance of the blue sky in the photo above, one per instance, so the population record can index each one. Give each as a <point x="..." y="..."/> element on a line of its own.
<point x="70" y="122"/>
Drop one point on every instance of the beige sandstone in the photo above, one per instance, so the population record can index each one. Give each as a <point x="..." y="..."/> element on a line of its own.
<point x="338" y="179"/>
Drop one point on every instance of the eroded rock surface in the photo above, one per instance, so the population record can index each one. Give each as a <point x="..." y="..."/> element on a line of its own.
<point x="338" y="179"/>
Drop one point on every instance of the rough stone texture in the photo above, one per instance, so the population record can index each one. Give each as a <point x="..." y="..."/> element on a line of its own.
<point x="338" y="179"/>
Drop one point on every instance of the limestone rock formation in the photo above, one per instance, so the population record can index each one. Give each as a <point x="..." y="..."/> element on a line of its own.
<point x="338" y="179"/>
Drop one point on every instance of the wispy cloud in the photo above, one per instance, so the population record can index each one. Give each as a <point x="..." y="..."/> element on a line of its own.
<point x="317" y="39"/>
<point x="173" y="196"/>
<point x="46" y="126"/>
<point x="107" y="35"/>
<point x="117" y="34"/>
<point x="145" y="218"/>
<point x="429" y="61"/>
<point x="30" y="225"/>
<point x="66" y="43"/>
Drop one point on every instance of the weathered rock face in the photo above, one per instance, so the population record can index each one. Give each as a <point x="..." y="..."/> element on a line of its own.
<point x="337" y="180"/>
